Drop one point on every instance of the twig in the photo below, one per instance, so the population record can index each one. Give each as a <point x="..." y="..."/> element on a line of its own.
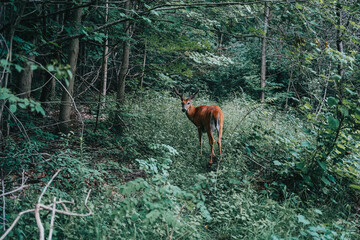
<point x="15" y="222"/>
<point x="249" y="158"/>
<point x="23" y="181"/>
<point x="52" y="207"/>
<point x="182" y="235"/>
<point x="48" y="184"/>
<point x="178" y="216"/>
<point x="39" y="223"/>
<point x="4" y="203"/>
<point x="52" y="220"/>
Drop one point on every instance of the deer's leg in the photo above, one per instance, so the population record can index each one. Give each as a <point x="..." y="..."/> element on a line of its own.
<point x="219" y="140"/>
<point x="200" y="139"/>
<point x="211" y="142"/>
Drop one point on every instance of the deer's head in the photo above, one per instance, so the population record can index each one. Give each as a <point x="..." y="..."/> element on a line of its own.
<point x="186" y="102"/>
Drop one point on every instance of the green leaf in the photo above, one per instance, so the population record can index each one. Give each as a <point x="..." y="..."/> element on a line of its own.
<point x="318" y="211"/>
<point x="333" y="123"/>
<point x="325" y="180"/>
<point x="50" y="68"/>
<point x="13" y="108"/>
<point x="357" y="187"/>
<point x="18" y="68"/>
<point x="351" y="92"/>
<point x="303" y="220"/>
<point x="305" y="144"/>
<point x="69" y="73"/>
<point x="277" y="163"/>
<point x="307" y="106"/>
<point x="332" y="101"/>
<point x="4" y="93"/>
<point x="33" y="67"/>
<point x="344" y="110"/>
<point x="322" y="165"/>
<point x="336" y="77"/>
<point x="22" y="105"/>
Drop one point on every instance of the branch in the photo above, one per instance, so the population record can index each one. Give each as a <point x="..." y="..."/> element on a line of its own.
<point x="47" y="185"/>
<point x="166" y="7"/>
<point x="52" y="207"/>
<point x="15" y="222"/>
<point x="23" y="181"/>
<point x="52" y="220"/>
<point x="39" y="223"/>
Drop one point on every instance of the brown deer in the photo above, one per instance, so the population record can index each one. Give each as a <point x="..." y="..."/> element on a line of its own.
<point x="206" y="119"/>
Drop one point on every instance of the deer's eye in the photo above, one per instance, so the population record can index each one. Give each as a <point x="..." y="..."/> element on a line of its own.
<point x="188" y="103"/>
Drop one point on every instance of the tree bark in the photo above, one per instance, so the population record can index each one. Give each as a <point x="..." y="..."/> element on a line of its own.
<point x="340" y="47"/>
<point x="143" y="66"/>
<point x="26" y="79"/>
<point x="125" y="61"/>
<point x="263" y="53"/>
<point x="105" y="57"/>
<point x="65" y="107"/>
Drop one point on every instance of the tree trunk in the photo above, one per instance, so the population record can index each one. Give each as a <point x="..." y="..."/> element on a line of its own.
<point x="340" y="48"/>
<point x="143" y="66"/>
<point x="65" y="107"/>
<point x="263" y="53"/>
<point x="105" y="57"/>
<point x="125" y="61"/>
<point x="47" y="89"/>
<point x="26" y="78"/>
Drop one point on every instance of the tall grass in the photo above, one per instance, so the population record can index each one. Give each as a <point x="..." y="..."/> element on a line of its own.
<point x="238" y="191"/>
<point x="174" y="194"/>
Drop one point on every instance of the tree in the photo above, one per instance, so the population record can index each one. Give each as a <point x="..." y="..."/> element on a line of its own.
<point x="67" y="95"/>
<point x="263" y="51"/>
<point x="125" y="59"/>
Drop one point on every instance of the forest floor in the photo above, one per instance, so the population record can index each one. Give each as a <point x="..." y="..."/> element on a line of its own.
<point x="149" y="180"/>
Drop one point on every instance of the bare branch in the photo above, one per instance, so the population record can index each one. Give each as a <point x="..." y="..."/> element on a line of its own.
<point x="48" y="184"/>
<point x="52" y="207"/>
<point x="15" y="222"/>
<point x="23" y="181"/>
<point x="52" y="220"/>
<point x="39" y="223"/>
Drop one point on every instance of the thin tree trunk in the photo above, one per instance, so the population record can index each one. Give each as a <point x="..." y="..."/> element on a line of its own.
<point x="5" y="75"/>
<point x="26" y="79"/>
<point x="65" y="107"/>
<point x="105" y="57"/>
<point x="263" y="53"/>
<point x="340" y="47"/>
<point x="47" y="89"/>
<point x="143" y="66"/>
<point x="288" y="90"/>
<point x="125" y="61"/>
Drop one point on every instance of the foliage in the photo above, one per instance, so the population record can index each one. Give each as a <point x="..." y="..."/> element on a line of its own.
<point x="290" y="166"/>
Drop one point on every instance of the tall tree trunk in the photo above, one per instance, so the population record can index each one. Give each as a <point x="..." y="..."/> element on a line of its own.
<point x="105" y="57"/>
<point x="288" y="90"/>
<point x="143" y="66"/>
<point x="125" y="61"/>
<point x="263" y="53"/>
<point x="65" y="107"/>
<point x="340" y="47"/>
<point x="26" y="78"/>
<point x="47" y="89"/>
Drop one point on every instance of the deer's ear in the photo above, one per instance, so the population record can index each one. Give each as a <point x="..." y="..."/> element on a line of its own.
<point x="193" y="96"/>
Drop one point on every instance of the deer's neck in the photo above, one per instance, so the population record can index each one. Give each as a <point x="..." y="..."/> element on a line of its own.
<point x="191" y="112"/>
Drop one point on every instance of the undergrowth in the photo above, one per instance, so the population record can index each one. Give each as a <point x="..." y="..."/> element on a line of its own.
<point x="149" y="180"/>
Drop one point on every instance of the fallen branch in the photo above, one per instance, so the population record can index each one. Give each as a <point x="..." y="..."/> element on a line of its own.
<point x="51" y="208"/>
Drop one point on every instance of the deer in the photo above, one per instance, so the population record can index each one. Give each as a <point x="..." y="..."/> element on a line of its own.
<point x="205" y="118"/>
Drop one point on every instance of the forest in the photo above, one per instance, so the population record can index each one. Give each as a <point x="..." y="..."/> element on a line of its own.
<point x="99" y="134"/>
